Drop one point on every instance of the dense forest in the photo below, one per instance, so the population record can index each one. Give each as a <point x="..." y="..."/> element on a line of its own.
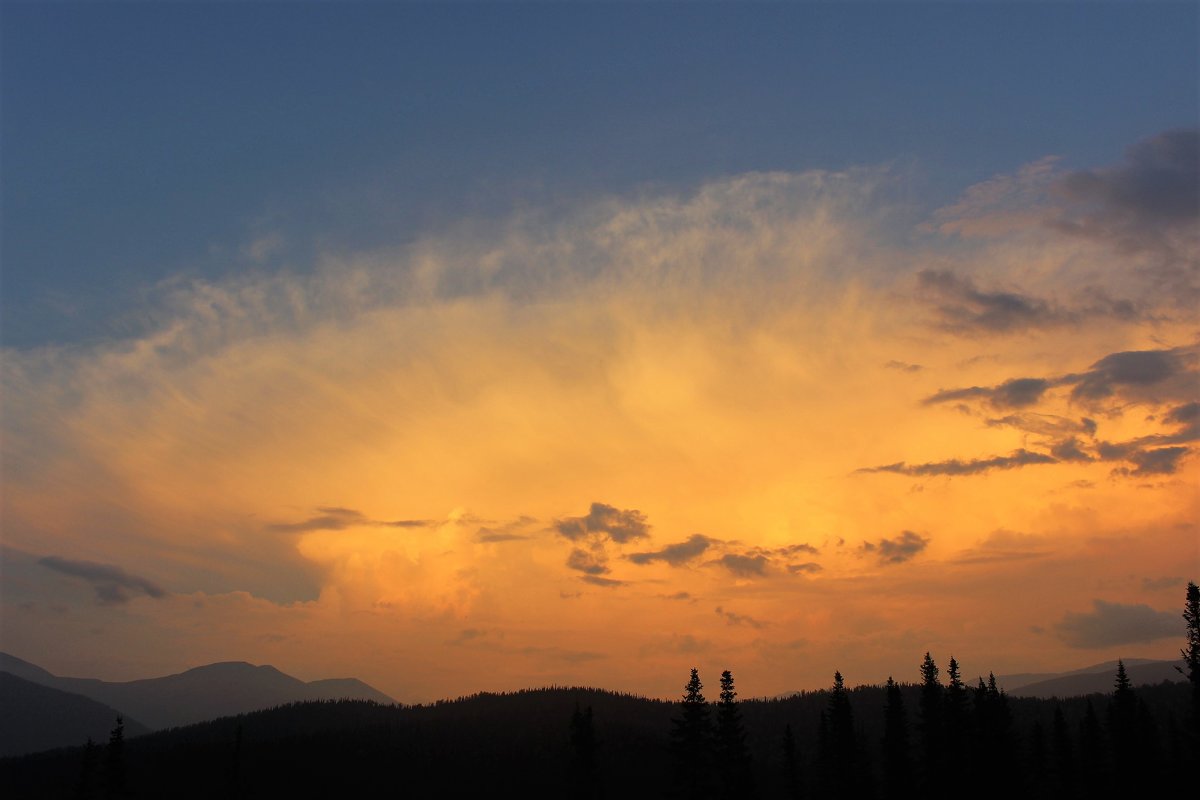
<point x="936" y="735"/>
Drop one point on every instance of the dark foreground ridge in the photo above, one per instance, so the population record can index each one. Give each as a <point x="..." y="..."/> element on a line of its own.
<point x="936" y="737"/>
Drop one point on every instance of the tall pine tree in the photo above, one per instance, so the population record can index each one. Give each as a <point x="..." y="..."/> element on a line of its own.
<point x="931" y="726"/>
<point x="691" y="743"/>
<point x="732" y="756"/>
<point x="897" y="760"/>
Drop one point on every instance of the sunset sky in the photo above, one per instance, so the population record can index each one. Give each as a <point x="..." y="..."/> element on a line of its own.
<point x="463" y="348"/>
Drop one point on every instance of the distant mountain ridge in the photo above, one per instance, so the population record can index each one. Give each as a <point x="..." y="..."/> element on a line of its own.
<point x="1098" y="678"/>
<point x="198" y="694"/>
<point x="37" y="717"/>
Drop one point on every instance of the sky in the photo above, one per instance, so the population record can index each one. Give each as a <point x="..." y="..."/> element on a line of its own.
<point x="478" y="347"/>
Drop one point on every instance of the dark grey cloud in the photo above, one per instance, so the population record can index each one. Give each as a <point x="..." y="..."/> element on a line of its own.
<point x="592" y="562"/>
<point x="1134" y="368"/>
<point x="620" y="525"/>
<point x="1110" y="624"/>
<point x="805" y="568"/>
<point x="1070" y="449"/>
<point x="962" y="307"/>
<point x="898" y="550"/>
<point x="903" y="366"/>
<point x="1160" y="461"/>
<point x="596" y="580"/>
<point x="1015" y="393"/>
<point x="1044" y="424"/>
<point x="336" y="518"/>
<point x="112" y="584"/>
<point x="744" y="566"/>
<point x="1187" y="414"/>
<point x="976" y="466"/>
<point x="1143" y="203"/>
<point x="677" y="596"/>
<point x="493" y="535"/>
<point x="675" y="554"/>
<point x="740" y="619"/>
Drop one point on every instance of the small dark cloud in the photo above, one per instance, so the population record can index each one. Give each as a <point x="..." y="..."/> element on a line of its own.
<point x="596" y="580"/>
<point x="1161" y="461"/>
<point x="1069" y="450"/>
<point x="336" y="518"/>
<point x="112" y="584"/>
<point x="1015" y="393"/>
<point x="1134" y="368"/>
<point x="1110" y="624"/>
<point x="789" y="550"/>
<point x="1142" y="203"/>
<point x="744" y="566"/>
<point x="1044" y="424"/>
<point x="954" y="466"/>
<point x="806" y="568"/>
<point x="740" y="619"/>
<point x="675" y="554"/>
<point x="1158" y="584"/>
<point x="620" y="525"/>
<point x="1187" y="414"/>
<point x="593" y="562"/>
<point x="1003" y="546"/>
<point x="491" y="535"/>
<point x="962" y="307"/>
<point x="677" y="596"/>
<point x="898" y="550"/>
<point x="903" y="366"/>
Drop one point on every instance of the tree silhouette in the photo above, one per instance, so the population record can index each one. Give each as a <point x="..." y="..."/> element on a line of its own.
<point x="1191" y="658"/>
<point x="583" y="747"/>
<point x="931" y="724"/>
<point x="732" y="756"/>
<point x="1093" y="754"/>
<point x="955" y="722"/>
<point x="86" y="788"/>
<point x="897" y="763"/>
<point x="1062" y="756"/>
<point x="114" y="761"/>
<point x="839" y="759"/>
<point x="1122" y="729"/>
<point x="792" y="778"/>
<point x="691" y="742"/>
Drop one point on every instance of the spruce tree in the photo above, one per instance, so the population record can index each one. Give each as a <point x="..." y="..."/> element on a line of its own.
<point x="1093" y="755"/>
<point x="85" y="789"/>
<point x="114" y="761"/>
<point x="955" y="721"/>
<point x="931" y="725"/>
<point x="792" y="777"/>
<point x="1122" y="730"/>
<point x="842" y="758"/>
<point x="1191" y="660"/>
<point x="691" y="742"/>
<point x="732" y="756"/>
<point x="897" y="764"/>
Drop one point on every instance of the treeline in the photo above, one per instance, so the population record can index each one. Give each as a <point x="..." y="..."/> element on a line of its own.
<point x="939" y="734"/>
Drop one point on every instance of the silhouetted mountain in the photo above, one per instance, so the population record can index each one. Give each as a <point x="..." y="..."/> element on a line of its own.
<point x="36" y="717"/>
<point x="519" y="745"/>
<point x="199" y="694"/>
<point x="1097" y="678"/>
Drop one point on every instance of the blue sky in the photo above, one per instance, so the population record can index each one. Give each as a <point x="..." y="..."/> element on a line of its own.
<point x="142" y="142"/>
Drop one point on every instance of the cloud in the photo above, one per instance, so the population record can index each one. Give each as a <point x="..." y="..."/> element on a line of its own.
<point x="898" y="550"/>
<point x="740" y="619"/>
<point x="677" y="596"/>
<point x="954" y="466"/>
<point x="596" y="580"/>
<point x="744" y="566"/>
<point x="1148" y="202"/>
<point x="1159" y="584"/>
<point x="903" y="366"/>
<point x="964" y="308"/>
<point x="675" y="554"/>
<point x="111" y="583"/>
<point x="1002" y="546"/>
<point x="593" y="562"/>
<point x="1131" y="369"/>
<point x="1110" y="624"/>
<point x="806" y="568"/>
<point x="1069" y="449"/>
<point x="1015" y="393"/>
<point x="1045" y="424"/>
<point x="1161" y="461"/>
<point x="619" y="525"/>
<point x="335" y="518"/>
<point x="492" y="535"/>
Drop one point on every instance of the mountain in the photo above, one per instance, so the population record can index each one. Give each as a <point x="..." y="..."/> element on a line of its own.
<point x="1088" y="680"/>
<point x="37" y="717"/>
<point x="202" y="693"/>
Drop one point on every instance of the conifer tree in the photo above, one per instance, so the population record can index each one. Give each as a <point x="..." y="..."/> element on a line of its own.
<point x="1191" y="660"/>
<point x="955" y="721"/>
<point x="732" y="756"/>
<point x="1062" y="756"/>
<point x="897" y="764"/>
<point x="1093" y="754"/>
<point x="792" y="777"/>
<point x="1122" y="729"/>
<point x="114" y="761"/>
<point x="691" y="742"/>
<point x="841" y="758"/>
<point x="931" y="724"/>
<point x="583" y="747"/>
<point x="86" y="788"/>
